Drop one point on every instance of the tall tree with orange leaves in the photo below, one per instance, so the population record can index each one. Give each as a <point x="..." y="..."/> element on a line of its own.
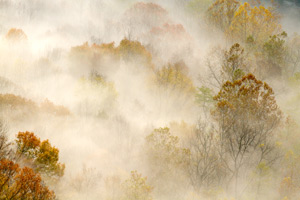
<point x="247" y="117"/>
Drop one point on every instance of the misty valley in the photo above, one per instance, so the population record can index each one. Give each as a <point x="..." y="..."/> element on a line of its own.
<point x="149" y="100"/>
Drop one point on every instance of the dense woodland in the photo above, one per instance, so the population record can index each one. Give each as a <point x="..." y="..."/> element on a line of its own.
<point x="149" y="100"/>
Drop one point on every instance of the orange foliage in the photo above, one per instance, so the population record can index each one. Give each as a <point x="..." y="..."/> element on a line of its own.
<point x="127" y="50"/>
<point x="41" y="155"/>
<point x="21" y="183"/>
<point x="12" y="101"/>
<point x="15" y="35"/>
<point x="48" y="107"/>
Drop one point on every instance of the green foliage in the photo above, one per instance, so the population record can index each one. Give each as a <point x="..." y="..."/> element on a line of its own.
<point x="198" y="7"/>
<point x="274" y="49"/>
<point x="204" y="96"/>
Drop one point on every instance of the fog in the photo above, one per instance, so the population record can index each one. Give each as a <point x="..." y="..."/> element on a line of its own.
<point x="107" y="102"/>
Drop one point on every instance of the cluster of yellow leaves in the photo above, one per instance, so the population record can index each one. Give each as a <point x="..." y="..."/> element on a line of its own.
<point x="136" y="188"/>
<point x="134" y="51"/>
<point x="21" y="183"/>
<point x="41" y="155"/>
<point x="243" y="21"/>
<point x="174" y="77"/>
<point x="256" y="22"/>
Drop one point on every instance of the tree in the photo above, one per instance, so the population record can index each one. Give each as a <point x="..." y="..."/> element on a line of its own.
<point x="256" y="22"/>
<point x="94" y="93"/>
<point x="206" y="170"/>
<point x="21" y="183"/>
<point x="167" y="162"/>
<point x="247" y="116"/>
<point x="135" y="52"/>
<point x="234" y="64"/>
<point x="136" y="188"/>
<point x="5" y="145"/>
<point x="274" y="53"/>
<point x="226" y="65"/>
<point x="40" y="155"/>
<point x="293" y="54"/>
<point x="221" y="13"/>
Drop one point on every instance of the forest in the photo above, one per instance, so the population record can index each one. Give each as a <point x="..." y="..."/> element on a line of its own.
<point x="149" y="100"/>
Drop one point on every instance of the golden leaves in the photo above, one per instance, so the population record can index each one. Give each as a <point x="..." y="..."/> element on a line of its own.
<point x="41" y="155"/>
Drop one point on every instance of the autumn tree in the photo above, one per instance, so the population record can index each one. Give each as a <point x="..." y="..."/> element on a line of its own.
<point x="221" y="13"/>
<point x="234" y="64"/>
<point x="134" y="52"/>
<point x="136" y="188"/>
<point x="174" y="86"/>
<point x="5" y="145"/>
<point x="247" y="116"/>
<point x="257" y="23"/>
<point x="21" y="183"/>
<point x="226" y="65"/>
<point x="96" y="56"/>
<point x="272" y="60"/>
<point x="40" y="155"/>
<point x="166" y="159"/>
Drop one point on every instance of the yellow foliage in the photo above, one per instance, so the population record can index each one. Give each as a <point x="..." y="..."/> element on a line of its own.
<point x="256" y="22"/>
<point x="41" y="155"/>
<point x="136" y="188"/>
<point x="174" y="77"/>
